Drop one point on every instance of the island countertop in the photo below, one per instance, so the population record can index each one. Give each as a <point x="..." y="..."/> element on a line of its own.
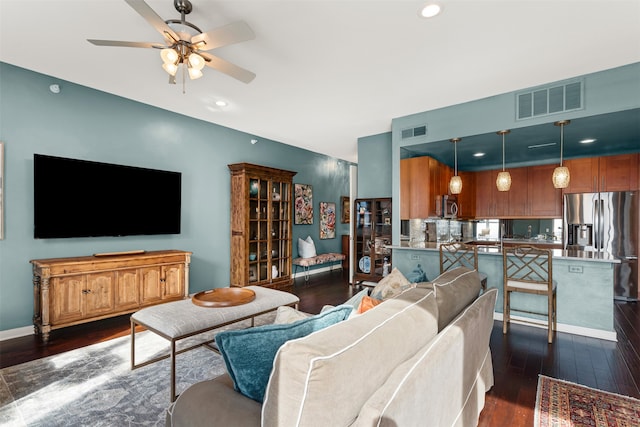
<point x="493" y="248"/>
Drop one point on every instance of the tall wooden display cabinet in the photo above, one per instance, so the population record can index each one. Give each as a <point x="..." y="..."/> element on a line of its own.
<point x="372" y="233"/>
<point x="261" y="212"/>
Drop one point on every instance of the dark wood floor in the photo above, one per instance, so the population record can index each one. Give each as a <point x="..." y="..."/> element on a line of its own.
<point x="518" y="357"/>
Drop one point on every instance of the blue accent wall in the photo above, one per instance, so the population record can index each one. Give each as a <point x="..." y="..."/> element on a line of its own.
<point x="374" y="180"/>
<point x="88" y="124"/>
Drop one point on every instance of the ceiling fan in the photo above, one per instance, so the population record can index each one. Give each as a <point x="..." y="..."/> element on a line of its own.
<point x="186" y="45"/>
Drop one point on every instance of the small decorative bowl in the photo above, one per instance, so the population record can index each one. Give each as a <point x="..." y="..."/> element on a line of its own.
<point x="252" y="256"/>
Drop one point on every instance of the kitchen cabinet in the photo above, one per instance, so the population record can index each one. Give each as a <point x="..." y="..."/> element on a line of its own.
<point x="518" y="194"/>
<point x="261" y="223"/>
<point x="422" y="179"/>
<point x="372" y="231"/>
<point x="531" y="194"/>
<point x="467" y="197"/>
<point x="545" y="201"/>
<point x="490" y="203"/>
<point x="71" y="291"/>
<point x="606" y="173"/>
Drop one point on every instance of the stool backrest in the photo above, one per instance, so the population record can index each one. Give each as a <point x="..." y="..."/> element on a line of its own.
<point x="458" y="254"/>
<point x="527" y="264"/>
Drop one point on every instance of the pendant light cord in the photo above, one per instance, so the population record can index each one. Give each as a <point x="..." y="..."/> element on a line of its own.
<point x="503" y="152"/>
<point x="561" y="141"/>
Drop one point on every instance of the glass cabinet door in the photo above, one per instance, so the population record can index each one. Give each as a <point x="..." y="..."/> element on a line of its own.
<point x="363" y="236"/>
<point x="279" y="239"/>
<point x="372" y="233"/>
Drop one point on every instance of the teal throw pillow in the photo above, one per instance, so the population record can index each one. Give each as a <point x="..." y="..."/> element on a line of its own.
<point x="249" y="353"/>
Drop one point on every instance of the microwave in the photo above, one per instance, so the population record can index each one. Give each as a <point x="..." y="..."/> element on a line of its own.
<point x="447" y="206"/>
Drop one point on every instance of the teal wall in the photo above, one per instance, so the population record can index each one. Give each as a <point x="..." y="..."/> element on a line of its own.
<point x="374" y="180"/>
<point x="87" y="124"/>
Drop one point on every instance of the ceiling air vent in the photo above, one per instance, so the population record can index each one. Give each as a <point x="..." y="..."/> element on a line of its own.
<point x="549" y="100"/>
<point x="413" y="132"/>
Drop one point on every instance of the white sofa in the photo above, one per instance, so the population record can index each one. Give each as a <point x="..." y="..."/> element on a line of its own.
<point x="421" y="358"/>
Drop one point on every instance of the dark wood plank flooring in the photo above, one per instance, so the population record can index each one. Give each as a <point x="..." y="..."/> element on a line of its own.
<point x="518" y="357"/>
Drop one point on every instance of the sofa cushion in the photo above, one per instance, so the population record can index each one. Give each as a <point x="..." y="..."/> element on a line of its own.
<point x="313" y="377"/>
<point x="391" y="285"/>
<point x="455" y="289"/>
<point x="286" y="314"/>
<point x="249" y="353"/>
<point x="213" y="403"/>
<point x="457" y="361"/>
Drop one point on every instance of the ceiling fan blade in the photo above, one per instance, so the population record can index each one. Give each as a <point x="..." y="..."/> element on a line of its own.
<point x="228" y="68"/>
<point x="126" y="44"/>
<point x="223" y="36"/>
<point x="152" y="18"/>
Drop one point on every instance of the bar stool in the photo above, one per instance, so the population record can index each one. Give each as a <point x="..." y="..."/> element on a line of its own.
<point x="458" y="254"/>
<point x="528" y="269"/>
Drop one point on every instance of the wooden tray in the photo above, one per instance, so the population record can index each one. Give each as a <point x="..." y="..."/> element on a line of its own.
<point x="223" y="297"/>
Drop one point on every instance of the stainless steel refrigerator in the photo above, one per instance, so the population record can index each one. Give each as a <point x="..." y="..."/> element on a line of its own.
<point x="607" y="222"/>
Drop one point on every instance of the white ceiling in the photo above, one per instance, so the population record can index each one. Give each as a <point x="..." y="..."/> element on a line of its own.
<point x="328" y="72"/>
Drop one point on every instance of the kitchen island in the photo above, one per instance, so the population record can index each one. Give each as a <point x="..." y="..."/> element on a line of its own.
<point x="585" y="302"/>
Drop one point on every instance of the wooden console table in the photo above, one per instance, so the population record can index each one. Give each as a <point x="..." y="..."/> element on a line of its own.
<point x="71" y="291"/>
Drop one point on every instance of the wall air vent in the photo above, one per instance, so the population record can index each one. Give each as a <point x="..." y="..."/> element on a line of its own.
<point x="413" y="132"/>
<point x="549" y="100"/>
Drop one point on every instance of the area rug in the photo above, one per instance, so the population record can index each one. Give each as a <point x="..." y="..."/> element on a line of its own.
<point x="95" y="386"/>
<point x="565" y="404"/>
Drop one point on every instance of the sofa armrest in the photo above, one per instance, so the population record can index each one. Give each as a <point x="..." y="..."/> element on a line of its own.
<point x="213" y="403"/>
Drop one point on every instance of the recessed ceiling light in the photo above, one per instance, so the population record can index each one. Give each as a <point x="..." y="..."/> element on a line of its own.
<point x="430" y="10"/>
<point x="588" y="141"/>
<point x="478" y="154"/>
<point x="221" y="103"/>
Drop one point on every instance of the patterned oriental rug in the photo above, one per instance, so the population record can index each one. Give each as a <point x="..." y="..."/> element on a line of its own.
<point x="564" y="404"/>
<point x="95" y="386"/>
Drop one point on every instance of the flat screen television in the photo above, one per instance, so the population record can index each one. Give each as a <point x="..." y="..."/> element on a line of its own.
<point x="80" y="198"/>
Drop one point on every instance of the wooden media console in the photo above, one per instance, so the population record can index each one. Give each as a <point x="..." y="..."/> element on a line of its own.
<point x="71" y="291"/>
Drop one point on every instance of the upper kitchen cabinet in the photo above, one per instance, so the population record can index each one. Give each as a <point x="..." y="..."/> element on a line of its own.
<point x="422" y="179"/>
<point x="467" y="197"/>
<point x="607" y="173"/>
<point x="490" y="203"/>
<point x="545" y="201"/>
<point x="531" y="194"/>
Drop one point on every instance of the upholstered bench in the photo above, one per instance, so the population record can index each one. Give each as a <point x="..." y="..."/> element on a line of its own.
<point x="178" y="320"/>
<point x="329" y="258"/>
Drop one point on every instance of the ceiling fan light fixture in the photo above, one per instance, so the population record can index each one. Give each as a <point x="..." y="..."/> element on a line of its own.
<point x="196" y="61"/>
<point x="169" y="56"/>
<point x="170" y="68"/>
<point x="194" y="73"/>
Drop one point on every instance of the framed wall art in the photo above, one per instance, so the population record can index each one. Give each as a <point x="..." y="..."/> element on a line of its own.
<point x="327" y="220"/>
<point x="345" y="203"/>
<point x="303" y="204"/>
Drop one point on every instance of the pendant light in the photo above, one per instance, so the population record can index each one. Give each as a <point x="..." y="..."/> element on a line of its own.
<point x="561" y="176"/>
<point x="503" y="182"/>
<point x="455" y="184"/>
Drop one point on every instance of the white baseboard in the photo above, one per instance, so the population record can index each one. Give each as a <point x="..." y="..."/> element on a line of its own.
<point x="16" y="333"/>
<point x="300" y="272"/>
<point x="561" y="327"/>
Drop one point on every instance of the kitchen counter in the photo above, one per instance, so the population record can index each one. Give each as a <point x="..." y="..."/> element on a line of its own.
<point x="585" y="294"/>
<point x="493" y="248"/>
